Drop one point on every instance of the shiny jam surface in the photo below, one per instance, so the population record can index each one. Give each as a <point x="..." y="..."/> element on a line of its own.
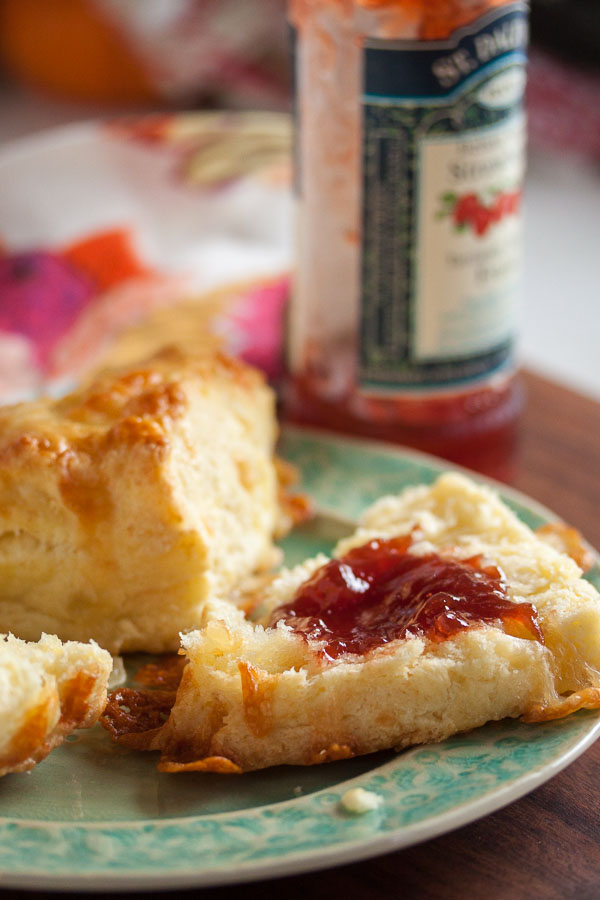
<point x="380" y="592"/>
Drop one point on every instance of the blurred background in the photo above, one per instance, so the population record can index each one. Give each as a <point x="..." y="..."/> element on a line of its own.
<point x="68" y="61"/>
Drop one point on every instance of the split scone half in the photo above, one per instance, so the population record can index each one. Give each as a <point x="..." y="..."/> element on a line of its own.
<point x="47" y="690"/>
<point x="125" y="504"/>
<point x="442" y="612"/>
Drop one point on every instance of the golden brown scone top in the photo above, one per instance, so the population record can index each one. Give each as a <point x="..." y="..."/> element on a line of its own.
<point x="120" y="409"/>
<point x="131" y="405"/>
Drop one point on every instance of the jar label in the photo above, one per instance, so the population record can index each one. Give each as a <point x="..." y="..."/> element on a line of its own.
<point x="443" y="156"/>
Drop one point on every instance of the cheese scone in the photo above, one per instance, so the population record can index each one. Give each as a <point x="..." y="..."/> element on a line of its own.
<point x="442" y="612"/>
<point x="125" y="504"/>
<point x="47" y="690"/>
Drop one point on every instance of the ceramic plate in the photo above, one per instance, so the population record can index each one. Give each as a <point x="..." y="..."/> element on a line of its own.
<point x="96" y="816"/>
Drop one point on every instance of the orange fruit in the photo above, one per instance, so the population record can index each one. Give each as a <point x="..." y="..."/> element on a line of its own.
<point x="67" y="48"/>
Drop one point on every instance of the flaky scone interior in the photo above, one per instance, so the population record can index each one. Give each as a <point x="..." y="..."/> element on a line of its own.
<point x="47" y="690"/>
<point x="442" y="612"/>
<point x="127" y="503"/>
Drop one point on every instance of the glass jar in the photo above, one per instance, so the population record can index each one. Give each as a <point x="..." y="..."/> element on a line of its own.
<point x="409" y="169"/>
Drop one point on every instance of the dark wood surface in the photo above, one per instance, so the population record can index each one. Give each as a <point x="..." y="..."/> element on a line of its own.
<point x="546" y="845"/>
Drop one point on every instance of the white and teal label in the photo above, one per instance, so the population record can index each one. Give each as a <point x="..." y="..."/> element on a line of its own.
<point x="443" y="156"/>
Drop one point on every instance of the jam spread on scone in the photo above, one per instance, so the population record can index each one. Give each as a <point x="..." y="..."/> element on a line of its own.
<point x="380" y="592"/>
<point x="396" y="641"/>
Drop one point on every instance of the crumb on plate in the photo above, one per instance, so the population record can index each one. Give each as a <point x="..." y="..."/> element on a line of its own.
<point x="359" y="801"/>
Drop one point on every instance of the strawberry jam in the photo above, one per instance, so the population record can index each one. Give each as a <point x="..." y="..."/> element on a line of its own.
<point x="380" y="592"/>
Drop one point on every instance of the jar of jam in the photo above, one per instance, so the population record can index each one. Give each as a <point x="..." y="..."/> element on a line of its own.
<point x="408" y="177"/>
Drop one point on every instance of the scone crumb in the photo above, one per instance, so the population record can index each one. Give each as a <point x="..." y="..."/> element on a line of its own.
<point x="297" y="791"/>
<point x="358" y="801"/>
<point x="118" y="676"/>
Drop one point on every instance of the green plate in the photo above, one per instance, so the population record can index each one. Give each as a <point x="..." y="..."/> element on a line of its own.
<point x="96" y="816"/>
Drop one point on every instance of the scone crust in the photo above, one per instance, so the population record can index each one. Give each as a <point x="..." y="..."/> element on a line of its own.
<point x="72" y="694"/>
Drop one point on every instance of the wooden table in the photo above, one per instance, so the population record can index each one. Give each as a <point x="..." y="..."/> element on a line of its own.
<point x="546" y="845"/>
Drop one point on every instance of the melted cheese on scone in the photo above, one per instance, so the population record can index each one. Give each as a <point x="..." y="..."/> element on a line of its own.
<point x="47" y="690"/>
<point x="124" y="505"/>
<point x="252" y="696"/>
